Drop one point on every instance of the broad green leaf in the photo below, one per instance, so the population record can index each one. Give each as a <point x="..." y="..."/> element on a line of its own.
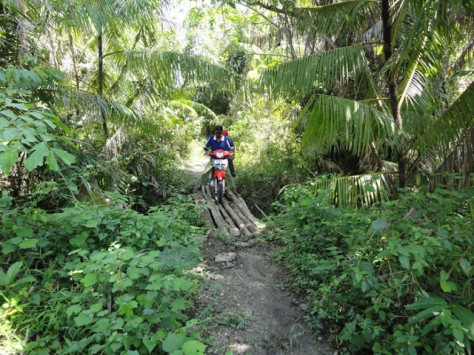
<point x="74" y="309"/>
<point x="83" y="319"/>
<point x="181" y="284"/>
<point x="427" y="302"/>
<point x="193" y="347"/>
<point x="28" y="243"/>
<point x="446" y="286"/>
<point x="8" y="159"/>
<point x="21" y="107"/>
<point x="404" y="261"/>
<point x="24" y="232"/>
<point x="127" y="309"/>
<point x="10" y="134"/>
<point x="466" y="316"/>
<point x="89" y="279"/>
<point x="150" y="343"/>
<point x="465" y="266"/>
<point x="12" y="272"/>
<point x="127" y="254"/>
<point x="96" y="307"/>
<point x="79" y="240"/>
<point x="52" y="162"/>
<point x="91" y="223"/>
<point x="179" y="304"/>
<point x="36" y="159"/>
<point x="459" y="335"/>
<point x="122" y="285"/>
<point x="378" y="224"/>
<point x="102" y="325"/>
<point x="133" y="272"/>
<point x="8" y="248"/>
<point x="9" y="114"/>
<point x="173" y="342"/>
<point x="66" y="157"/>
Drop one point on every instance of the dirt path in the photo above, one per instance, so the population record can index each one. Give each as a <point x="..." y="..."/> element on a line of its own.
<point x="249" y="313"/>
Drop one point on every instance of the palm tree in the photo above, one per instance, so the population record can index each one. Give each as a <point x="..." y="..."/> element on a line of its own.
<point x="122" y="33"/>
<point x="360" y="98"/>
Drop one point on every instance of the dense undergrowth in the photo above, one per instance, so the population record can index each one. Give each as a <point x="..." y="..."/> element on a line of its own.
<point x="96" y="245"/>
<point x="101" y="279"/>
<point x="396" y="277"/>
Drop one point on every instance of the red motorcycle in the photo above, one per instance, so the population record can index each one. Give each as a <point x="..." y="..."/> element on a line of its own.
<point x="219" y="163"/>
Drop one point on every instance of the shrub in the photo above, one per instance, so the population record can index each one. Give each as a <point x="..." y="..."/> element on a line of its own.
<point x="393" y="278"/>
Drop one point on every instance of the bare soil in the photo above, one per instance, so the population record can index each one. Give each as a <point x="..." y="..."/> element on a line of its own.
<point x="246" y="309"/>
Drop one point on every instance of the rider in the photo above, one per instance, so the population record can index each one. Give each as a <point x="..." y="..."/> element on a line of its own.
<point x="218" y="141"/>
<point x="232" y="147"/>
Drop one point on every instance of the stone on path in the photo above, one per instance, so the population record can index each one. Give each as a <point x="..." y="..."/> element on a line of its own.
<point x="225" y="257"/>
<point x="246" y="244"/>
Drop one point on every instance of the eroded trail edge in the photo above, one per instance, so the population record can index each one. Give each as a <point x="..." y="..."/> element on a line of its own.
<point x="248" y="311"/>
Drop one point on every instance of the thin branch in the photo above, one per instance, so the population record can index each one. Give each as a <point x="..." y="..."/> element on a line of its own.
<point x="244" y="3"/>
<point x="271" y="8"/>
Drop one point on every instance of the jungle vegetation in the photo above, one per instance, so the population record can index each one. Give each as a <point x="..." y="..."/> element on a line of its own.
<point x="354" y="127"/>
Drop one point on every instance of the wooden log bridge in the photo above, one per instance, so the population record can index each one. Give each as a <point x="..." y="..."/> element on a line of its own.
<point x="232" y="217"/>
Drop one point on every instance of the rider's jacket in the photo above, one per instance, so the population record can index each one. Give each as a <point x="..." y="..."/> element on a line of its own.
<point x="214" y="144"/>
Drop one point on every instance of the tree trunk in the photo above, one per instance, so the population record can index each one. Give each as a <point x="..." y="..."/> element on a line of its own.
<point x="392" y="86"/>
<point x="74" y="60"/>
<point x="100" y="88"/>
<point x="22" y="26"/>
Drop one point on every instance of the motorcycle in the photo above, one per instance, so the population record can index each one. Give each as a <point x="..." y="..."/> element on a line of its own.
<point x="220" y="163"/>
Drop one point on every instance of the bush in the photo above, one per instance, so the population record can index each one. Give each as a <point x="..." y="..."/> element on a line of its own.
<point x="106" y="279"/>
<point x="393" y="278"/>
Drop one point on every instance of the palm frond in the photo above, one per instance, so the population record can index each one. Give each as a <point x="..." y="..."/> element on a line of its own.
<point x="200" y="109"/>
<point x="91" y="105"/>
<point x="355" y="190"/>
<point x="336" y="17"/>
<point x="320" y="71"/>
<point x="343" y="123"/>
<point x="98" y="16"/>
<point x="450" y="127"/>
<point x="169" y="70"/>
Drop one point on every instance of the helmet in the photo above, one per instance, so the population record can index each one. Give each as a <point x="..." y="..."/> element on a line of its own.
<point x="225" y="133"/>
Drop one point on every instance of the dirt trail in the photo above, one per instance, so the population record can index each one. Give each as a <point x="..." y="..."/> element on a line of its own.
<point x="249" y="312"/>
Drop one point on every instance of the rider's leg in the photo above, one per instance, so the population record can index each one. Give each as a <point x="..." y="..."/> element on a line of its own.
<point x="231" y="167"/>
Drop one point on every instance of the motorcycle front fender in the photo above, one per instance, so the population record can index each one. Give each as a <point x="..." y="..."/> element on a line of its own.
<point x="219" y="174"/>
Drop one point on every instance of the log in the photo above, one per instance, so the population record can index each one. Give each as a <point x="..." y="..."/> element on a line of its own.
<point x="234" y="230"/>
<point x="216" y="215"/>
<point x="248" y="223"/>
<point x="243" y="229"/>
<point x="203" y="211"/>
<point x="239" y="201"/>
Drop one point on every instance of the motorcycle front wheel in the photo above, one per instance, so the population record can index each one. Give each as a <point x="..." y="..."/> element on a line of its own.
<point x="220" y="191"/>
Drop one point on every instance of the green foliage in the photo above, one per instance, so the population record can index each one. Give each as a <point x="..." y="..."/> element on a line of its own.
<point x="31" y="137"/>
<point x="342" y="118"/>
<point x="101" y="279"/>
<point x="396" y="278"/>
